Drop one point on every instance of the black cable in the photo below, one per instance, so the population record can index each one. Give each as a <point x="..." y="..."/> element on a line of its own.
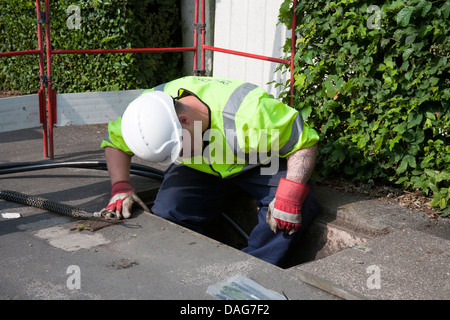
<point x="236" y="227"/>
<point x="136" y="169"/>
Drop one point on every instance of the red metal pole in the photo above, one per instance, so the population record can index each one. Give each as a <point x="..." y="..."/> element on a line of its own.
<point x="195" y="36"/>
<point x="202" y="49"/>
<point x="41" y="92"/>
<point x="293" y="40"/>
<point x="137" y="50"/>
<point x="19" y="53"/>
<point x="51" y="106"/>
<point x="245" y="54"/>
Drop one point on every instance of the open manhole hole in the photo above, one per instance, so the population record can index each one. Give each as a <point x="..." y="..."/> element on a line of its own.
<point x="240" y="217"/>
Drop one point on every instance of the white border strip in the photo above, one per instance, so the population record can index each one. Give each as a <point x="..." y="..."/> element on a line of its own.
<point x="19" y="113"/>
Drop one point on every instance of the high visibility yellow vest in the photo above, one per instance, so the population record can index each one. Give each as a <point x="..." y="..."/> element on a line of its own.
<point x="247" y="126"/>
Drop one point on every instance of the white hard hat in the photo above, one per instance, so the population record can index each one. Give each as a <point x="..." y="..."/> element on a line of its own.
<point x="151" y="129"/>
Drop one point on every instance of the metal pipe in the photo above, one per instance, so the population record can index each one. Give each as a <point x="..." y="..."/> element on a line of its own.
<point x="51" y="107"/>
<point x="41" y="94"/>
<point x="19" y="53"/>
<point x="136" y="50"/>
<point x="202" y="48"/>
<point x="195" y="36"/>
<point x="249" y="55"/>
<point x="293" y="40"/>
<point x="41" y="91"/>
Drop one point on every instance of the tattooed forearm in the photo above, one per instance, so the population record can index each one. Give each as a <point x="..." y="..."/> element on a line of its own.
<point x="301" y="164"/>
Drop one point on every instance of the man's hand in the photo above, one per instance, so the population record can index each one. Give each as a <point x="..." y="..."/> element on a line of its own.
<point x="285" y="210"/>
<point x="122" y="198"/>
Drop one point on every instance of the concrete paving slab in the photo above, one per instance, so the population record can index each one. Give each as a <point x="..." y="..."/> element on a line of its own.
<point x="144" y="257"/>
<point x="371" y="217"/>
<point x="347" y="220"/>
<point x="403" y="265"/>
<point x="149" y="258"/>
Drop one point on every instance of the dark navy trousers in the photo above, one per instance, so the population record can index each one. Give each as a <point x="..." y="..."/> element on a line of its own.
<point x="192" y="198"/>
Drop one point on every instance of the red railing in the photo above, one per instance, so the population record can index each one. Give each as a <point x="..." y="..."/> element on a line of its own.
<point x="48" y="115"/>
<point x="41" y="91"/>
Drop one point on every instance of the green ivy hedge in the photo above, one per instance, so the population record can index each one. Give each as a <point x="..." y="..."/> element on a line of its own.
<point x="107" y="24"/>
<point x="372" y="77"/>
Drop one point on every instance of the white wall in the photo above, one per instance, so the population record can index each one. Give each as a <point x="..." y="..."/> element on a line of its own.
<point x="249" y="26"/>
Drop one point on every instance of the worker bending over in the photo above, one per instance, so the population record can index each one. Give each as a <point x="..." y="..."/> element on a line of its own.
<point x="218" y="135"/>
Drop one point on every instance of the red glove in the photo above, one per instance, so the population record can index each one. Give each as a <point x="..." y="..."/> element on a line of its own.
<point x="122" y="198"/>
<point x="285" y="211"/>
<point x="122" y="188"/>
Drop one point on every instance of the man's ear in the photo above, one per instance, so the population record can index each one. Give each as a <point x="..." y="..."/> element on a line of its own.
<point x="184" y="120"/>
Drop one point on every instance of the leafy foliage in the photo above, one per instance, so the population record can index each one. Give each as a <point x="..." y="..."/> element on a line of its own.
<point x="373" y="79"/>
<point x="104" y="24"/>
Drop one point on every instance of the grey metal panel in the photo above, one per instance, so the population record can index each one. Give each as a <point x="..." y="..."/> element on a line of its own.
<point x="19" y="113"/>
<point x="93" y="107"/>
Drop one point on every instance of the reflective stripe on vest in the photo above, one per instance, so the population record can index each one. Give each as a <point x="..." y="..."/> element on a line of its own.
<point x="229" y="120"/>
<point x="297" y="129"/>
<point x="228" y="114"/>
